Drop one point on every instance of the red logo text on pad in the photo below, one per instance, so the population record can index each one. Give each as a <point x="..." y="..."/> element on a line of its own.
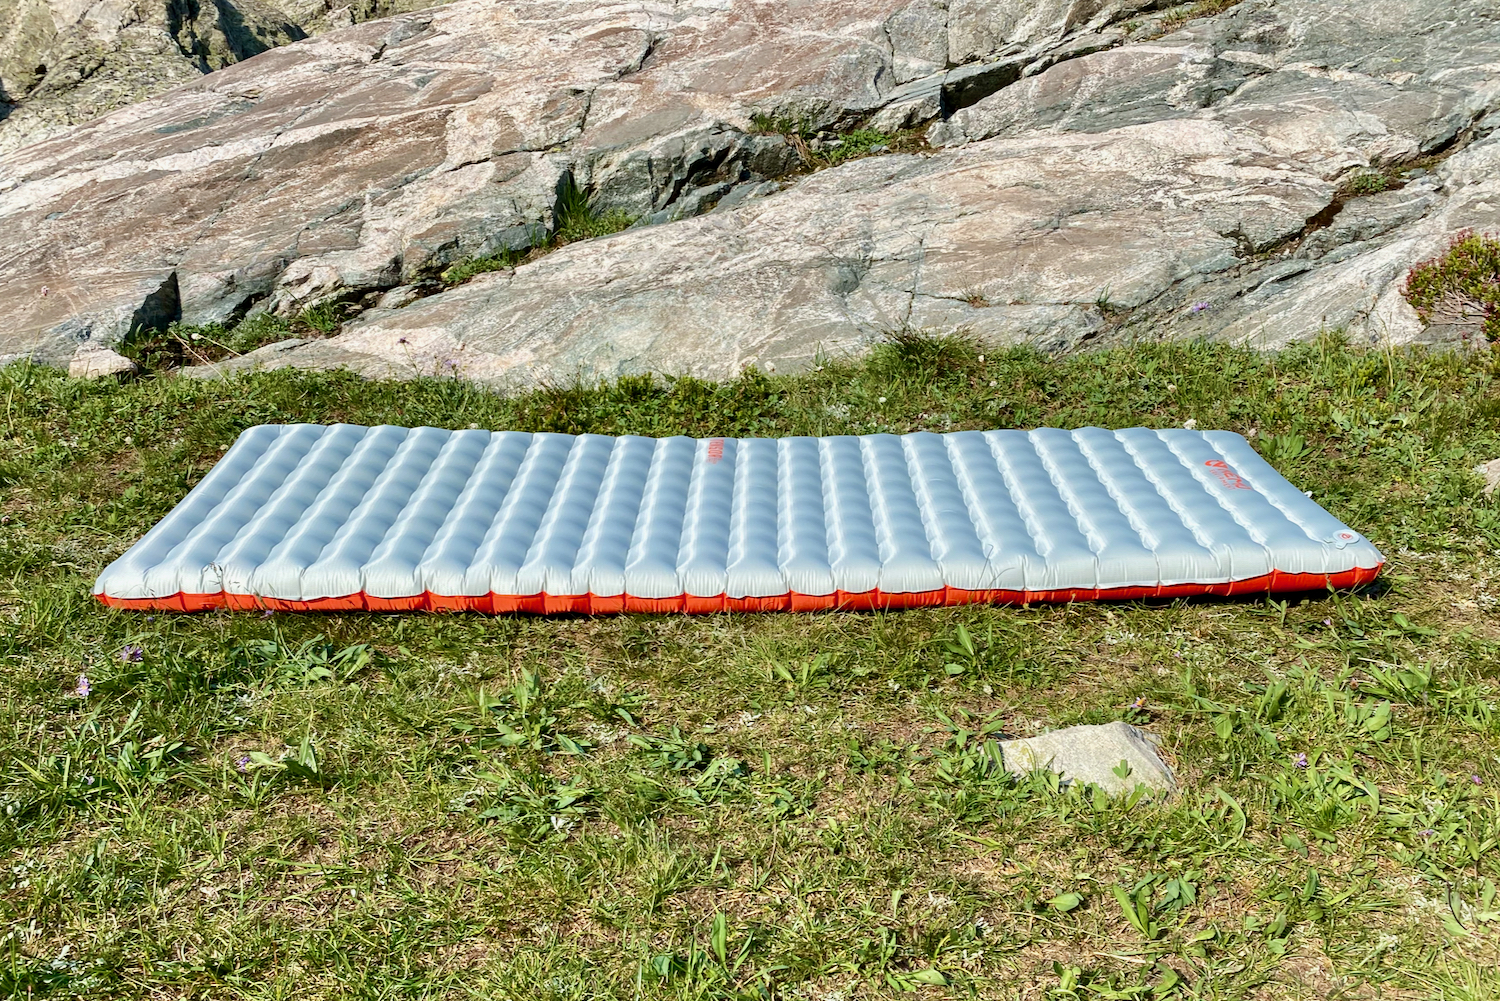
<point x="1227" y="476"/>
<point x="715" y="451"/>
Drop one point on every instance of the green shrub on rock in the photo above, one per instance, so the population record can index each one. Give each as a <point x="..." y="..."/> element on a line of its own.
<point x="1460" y="285"/>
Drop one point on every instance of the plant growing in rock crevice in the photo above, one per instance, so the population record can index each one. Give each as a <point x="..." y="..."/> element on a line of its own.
<point x="180" y="344"/>
<point x="580" y="218"/>
<point x="819" y="149"/>
<point x="1460" y="286"/>
<point x="506" y="259"/>
<point x="576" y="217"/>
<point x="1370" y="182"/>
<point x="1179" y="16"/>
<point x="763" y="124"/>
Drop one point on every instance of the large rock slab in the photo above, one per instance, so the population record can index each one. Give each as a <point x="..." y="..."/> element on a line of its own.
<point x="1009" y="239"/>
<point x="1193" y="179"/>
<point x="353" y="161"/>
<point x="67" y="61"/>
<point x="1087" y="182"/>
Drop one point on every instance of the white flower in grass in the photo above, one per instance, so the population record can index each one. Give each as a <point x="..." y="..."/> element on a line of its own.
<point x="1190" y="424"/>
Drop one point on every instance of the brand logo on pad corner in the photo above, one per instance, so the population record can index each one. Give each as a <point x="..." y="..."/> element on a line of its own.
<point x="1226" y="475"/>
<point x="715" y="451"/>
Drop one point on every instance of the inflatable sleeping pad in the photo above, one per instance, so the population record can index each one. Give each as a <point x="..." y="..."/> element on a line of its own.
<point x="306" y="517"/>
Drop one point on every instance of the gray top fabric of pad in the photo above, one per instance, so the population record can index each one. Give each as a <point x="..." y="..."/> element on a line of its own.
<point x="304" y="512"/>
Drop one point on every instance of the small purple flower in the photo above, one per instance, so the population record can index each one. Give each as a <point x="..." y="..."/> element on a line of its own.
<point x="1300" y="759"/>
<point x="242" y="762"/>
<point x="1427" y="832"/>
<point x="267" y="613"/>
<point x="1199" y="307"/>
<point x="1476" y="780"/>
<point x="132" y="654"/>
<point x="88" y="779"/>
<point x="84" y="687"/>
<point x="1328" y="623"/>
<point x="401" y="340"/>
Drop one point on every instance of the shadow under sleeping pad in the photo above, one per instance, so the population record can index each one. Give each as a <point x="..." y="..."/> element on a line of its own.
<point x="308" y="517"/>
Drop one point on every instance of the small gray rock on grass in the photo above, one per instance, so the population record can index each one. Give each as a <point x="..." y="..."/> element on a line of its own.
<point x="1491" y="473"/>
<point x="1093" y="754"/>
<point x="94" y="361"/>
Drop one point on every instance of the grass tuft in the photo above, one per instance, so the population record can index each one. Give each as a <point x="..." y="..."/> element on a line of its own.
<point x="579" y="218"/>
<point x="908" y="353"/>
<point x="505" y="260"/>
<point x="1368" y="182"/>
<point x="819" y="150"/>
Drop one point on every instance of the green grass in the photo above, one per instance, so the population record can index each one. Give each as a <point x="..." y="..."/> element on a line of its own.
<point x="855" y="144"/>
<point x="505" y="260"/>
<point x="1178" y="16"/>
<point x="182" y="344"/>
<point x="764" y="124"/>
<point x="770" y="806"/>
<point x="579" y="218"/>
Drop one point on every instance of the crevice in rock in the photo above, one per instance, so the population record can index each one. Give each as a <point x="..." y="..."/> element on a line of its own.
<point x="244" y="306"/>
<point x="652" y="41"/>
<point x="1321" y="219"/>
<point x="159" y="310"/>
<point x="213" y="41"/>
<point x="700" y="172"/>
<point x="967" y="86"/>
<point x="1475" y="129"/>
<point x="583" y="118"/>
<point x="1173" y="15"/>
<point x="1361" y="183"/>
<point x="919" y="259"/>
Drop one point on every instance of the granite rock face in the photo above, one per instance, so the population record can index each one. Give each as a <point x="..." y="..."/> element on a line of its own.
<point x="66" y="62"/>
<point x="350" y="162"/>
<point x="1096" y="169"/>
